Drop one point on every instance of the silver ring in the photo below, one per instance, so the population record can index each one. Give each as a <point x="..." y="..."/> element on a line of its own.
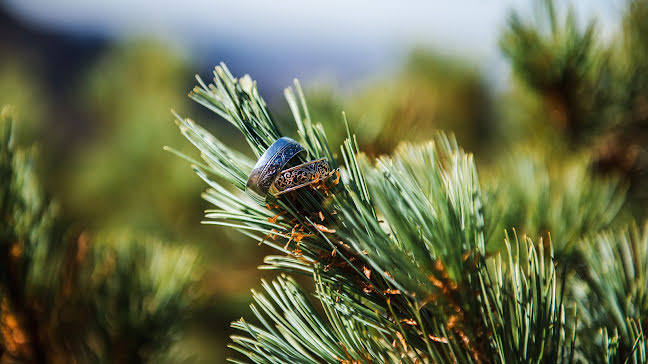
<point x="267" y="168"/>
<point x="305" y="174"/>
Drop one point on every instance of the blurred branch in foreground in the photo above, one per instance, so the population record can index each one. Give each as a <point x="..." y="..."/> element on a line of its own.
<point x="102" y="298"/>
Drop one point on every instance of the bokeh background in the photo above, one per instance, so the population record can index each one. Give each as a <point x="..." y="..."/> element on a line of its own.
<point x="93" y="83"/>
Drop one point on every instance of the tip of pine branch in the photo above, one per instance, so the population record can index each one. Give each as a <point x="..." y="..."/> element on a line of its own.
<point x="247" y="84"/>
<point x="177" y="115"/>
<point x="6" y="112"/>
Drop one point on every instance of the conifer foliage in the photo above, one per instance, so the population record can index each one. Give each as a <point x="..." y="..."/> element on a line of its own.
<point x="414" y="257"/>
<point x="397" y="251"/>
<point x="95" y="297"/>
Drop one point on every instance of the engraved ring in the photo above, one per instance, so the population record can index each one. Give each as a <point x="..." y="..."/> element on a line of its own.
<point x="267" y="168"/>
<point x="291" y="179"/>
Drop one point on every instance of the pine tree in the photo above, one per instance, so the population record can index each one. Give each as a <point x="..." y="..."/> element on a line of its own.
<point x="401" y="257"/>
<point x="84" y="297"/>
<point x="592" y="93"/>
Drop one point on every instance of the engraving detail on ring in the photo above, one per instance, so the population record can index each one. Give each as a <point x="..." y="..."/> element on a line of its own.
<point x="300" y="176"/>
<point x="269" y="165"/>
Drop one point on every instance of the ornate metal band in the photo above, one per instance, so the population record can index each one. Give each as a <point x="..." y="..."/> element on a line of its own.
<point x="300" y="176"/>
<point x="267" y="168"/>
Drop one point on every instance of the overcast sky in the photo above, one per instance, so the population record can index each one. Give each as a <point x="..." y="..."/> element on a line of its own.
<point x="342" y="39"/>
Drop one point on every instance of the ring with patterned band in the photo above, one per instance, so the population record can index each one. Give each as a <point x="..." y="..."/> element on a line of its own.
<point x="291" y="179"/>
<point x="269" y="165"/>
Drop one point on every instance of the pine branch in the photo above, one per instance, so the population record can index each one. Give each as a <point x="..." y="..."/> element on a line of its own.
<point x="525" y="306"/>
<point x="562" y="200"/>
<point x="565" y="67"/>
<point x="615" y="298"/>
<point x="137" y="292"/>
<point x="396" y="248"/>
<point x="100" y="298"/>
<point x="25" y="236"/>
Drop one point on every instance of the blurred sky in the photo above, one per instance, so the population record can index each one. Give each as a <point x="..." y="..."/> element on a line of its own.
<point x="340" y="40"/>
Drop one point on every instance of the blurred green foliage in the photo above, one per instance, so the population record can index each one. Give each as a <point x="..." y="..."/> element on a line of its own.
<point x="590" y="93"/>
<point x="142" y="295"/>
<point x="118" y="173"/>
<point x="545" y="198"/>
<point x="615" y="298"/>
<point x="19" y="87"/>
<point x="107" y="298"/>
<point x="564" y="66"/>
<point x="429" y="93"/>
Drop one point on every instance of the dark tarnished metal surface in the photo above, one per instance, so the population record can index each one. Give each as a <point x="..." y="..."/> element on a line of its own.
<point x="269" y="165"/>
